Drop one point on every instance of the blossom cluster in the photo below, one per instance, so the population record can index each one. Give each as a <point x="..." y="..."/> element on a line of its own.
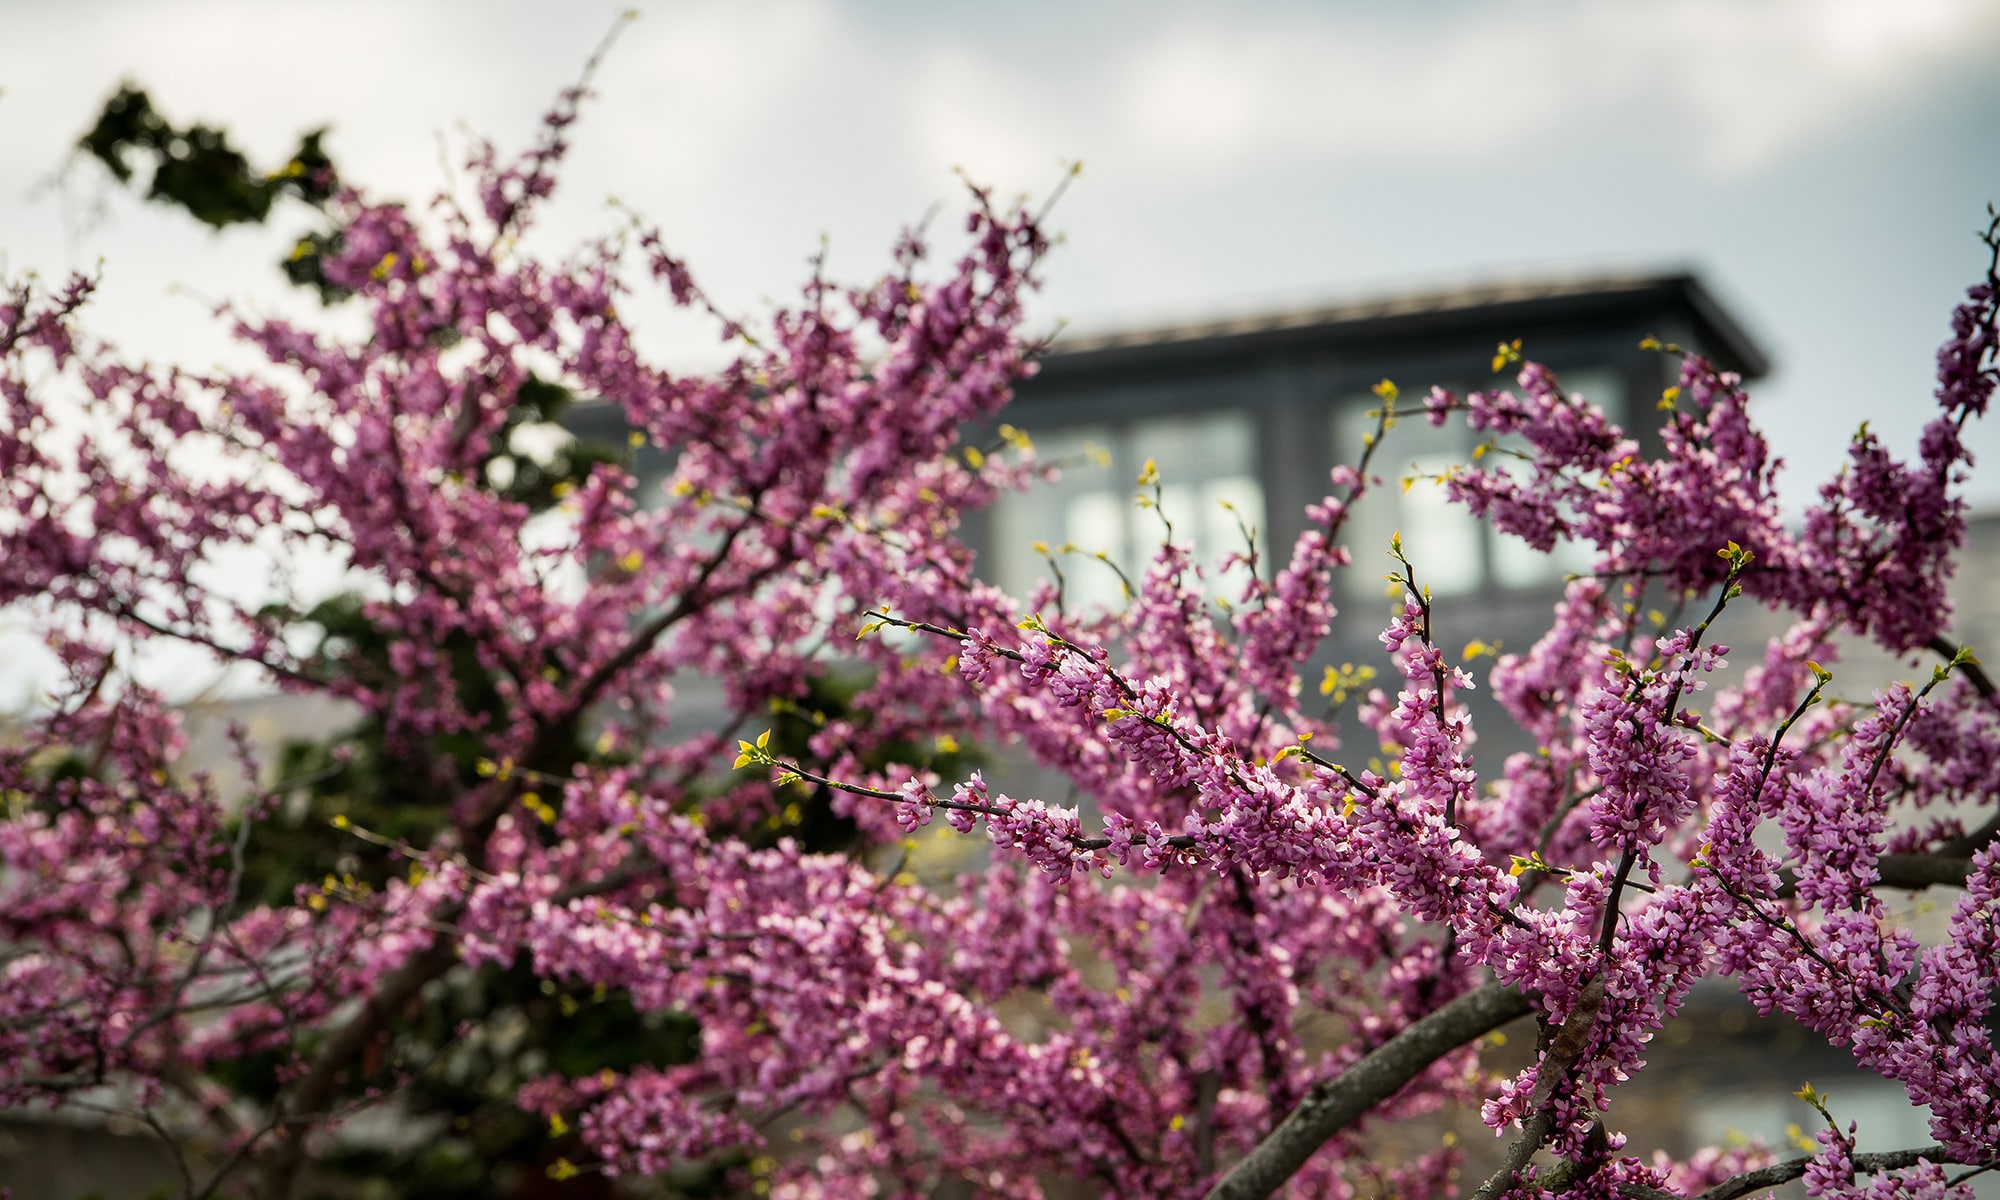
<point x="1215" y="926"/>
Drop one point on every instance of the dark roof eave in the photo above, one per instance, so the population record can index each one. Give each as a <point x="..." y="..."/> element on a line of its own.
<point x="1423" y="315"/>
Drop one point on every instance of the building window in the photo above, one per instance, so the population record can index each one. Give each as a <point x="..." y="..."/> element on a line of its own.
<point x="1207" y="466"/>
<point x="1452" y="551"/>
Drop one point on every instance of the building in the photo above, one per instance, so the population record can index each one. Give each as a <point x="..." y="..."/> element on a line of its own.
<point x="1255" y="412"/>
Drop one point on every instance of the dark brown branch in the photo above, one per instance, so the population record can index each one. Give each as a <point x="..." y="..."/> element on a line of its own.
<point x="1792" y="1168"/>
<point x="1333" y="1105"/>
<point x="1568" y="1172"/>
<point x="1915" y="872"/>
<point x="1523" y="1148"/>
<point x="1564" y="1047"/>
<point x="685" y="605"/>
<point x="1908" y="872"/>
<point x="1972" y="843"/>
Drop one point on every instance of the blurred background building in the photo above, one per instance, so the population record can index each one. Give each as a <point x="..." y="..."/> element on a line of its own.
<point x="1245" y="419"/>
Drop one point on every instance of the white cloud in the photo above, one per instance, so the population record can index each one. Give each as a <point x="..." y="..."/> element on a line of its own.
<point x="1217" y="95"/>
<point x="1757" y="78"/>
<point x="1734" y="82"/>
<point x="989" y="117"/>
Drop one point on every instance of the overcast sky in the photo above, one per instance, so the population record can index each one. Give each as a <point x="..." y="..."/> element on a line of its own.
<point x="1824" y="164"/>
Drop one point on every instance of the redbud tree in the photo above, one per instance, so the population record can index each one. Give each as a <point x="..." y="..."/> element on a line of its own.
<point x="1219" y="976"/>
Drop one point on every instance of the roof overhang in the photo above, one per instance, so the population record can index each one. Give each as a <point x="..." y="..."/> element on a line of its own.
<point x="1522" y="306"/>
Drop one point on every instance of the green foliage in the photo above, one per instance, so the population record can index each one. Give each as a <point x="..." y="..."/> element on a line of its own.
<point x="808" y="815"/>
<point x="197" y="170"/>
<point x="497" y="1029"/>
<point x="540" y="482"/>
<point x="398" y="792"/>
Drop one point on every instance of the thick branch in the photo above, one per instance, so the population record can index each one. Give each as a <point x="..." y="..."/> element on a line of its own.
<point x="1523" y="1148"/>
<point x="1335" y="1104"/>
<point x="1908" y="872"/>
<point x="1919" y="871"/>
<point x="1564" y="1047"/>
<point x="1974" y="842"/>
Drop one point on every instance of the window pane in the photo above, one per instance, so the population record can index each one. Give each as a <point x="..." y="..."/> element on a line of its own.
<point x="1515" y="563"/>
<point x="1450" y="550"/>
<point x="1042" y="513"/>
<point x="1227" y="501"/>
<point x="1203" y="460"/>
<point x="1095" y="522"/>
<point x="1442" y="541"/>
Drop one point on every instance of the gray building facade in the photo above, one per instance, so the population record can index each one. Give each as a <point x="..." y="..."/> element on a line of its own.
<point x="1254" y="414"/>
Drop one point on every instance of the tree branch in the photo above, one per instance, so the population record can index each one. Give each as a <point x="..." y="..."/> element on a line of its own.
<point x="1564" y="1047"/>
<point x="1792" y="1168"/>
<point x="1907" y="872"/>
<point x="1523" y="1148"/>
<point x="1972" y="843"/>
<point x="1335" y="1104"/>
<point x="1916" y="872"/>
<point x="334" y="1056"/>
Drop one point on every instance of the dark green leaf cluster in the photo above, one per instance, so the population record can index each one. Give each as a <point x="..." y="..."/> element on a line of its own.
<point x="540" y="482"/>
<point x="197" y="169"/>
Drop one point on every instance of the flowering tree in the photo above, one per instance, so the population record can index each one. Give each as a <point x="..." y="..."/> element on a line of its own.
<point x="1239" y="961"/>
